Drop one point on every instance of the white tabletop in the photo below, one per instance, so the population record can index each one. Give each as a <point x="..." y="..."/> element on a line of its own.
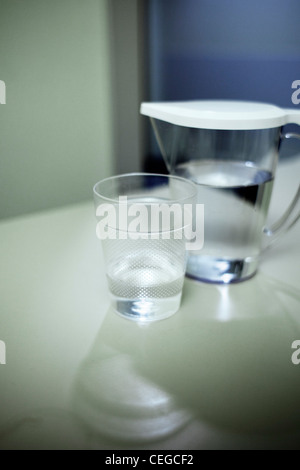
<point x="218" y="374"/>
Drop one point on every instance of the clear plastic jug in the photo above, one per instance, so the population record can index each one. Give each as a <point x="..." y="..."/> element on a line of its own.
<point x="230" y="150"/>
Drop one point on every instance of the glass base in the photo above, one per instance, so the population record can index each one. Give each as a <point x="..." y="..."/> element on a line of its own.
<point x="221" y="270"/>
<point x="146" y="309"/>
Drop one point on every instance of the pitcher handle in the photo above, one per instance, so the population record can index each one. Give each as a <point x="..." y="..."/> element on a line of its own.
<point x="292" y="213"/>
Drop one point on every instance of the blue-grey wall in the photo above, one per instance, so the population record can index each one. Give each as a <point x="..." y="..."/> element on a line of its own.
<point x="231" y="49"/>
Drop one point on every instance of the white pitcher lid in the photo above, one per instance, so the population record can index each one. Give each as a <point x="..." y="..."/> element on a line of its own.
<point x="215" y="114"/>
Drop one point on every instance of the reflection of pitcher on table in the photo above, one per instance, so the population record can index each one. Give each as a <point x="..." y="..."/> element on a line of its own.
<point x="230" y="149"/>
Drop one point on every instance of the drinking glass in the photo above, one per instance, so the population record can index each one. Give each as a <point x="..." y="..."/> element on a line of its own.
<point x="144" y="223"/>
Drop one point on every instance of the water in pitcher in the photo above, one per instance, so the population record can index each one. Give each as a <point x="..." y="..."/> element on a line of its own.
<point x="236" y="196"/>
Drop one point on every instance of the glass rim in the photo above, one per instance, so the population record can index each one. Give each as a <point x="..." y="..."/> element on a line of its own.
<point x="150" y="232"/>
<point x="181" y="200"/>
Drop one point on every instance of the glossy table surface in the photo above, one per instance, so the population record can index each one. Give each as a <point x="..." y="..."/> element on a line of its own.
<point x="217" y="375"/>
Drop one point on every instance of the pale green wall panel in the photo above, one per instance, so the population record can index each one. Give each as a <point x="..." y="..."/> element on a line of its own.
<point x="56" y="126"/>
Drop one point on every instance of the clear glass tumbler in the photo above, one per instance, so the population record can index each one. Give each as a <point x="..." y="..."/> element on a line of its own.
<point x="144" y="222"/>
